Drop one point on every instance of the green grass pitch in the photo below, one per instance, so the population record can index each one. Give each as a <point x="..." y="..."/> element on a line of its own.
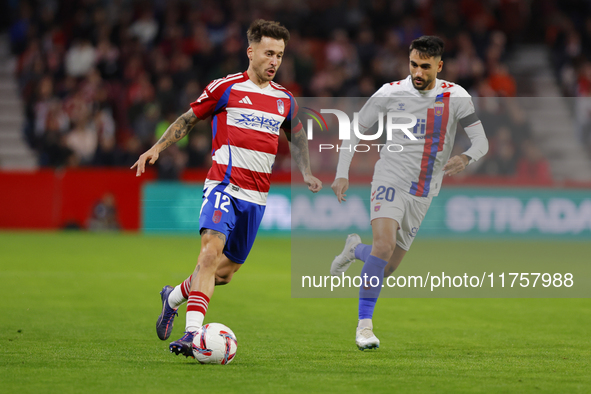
<point x="78" y="313"/>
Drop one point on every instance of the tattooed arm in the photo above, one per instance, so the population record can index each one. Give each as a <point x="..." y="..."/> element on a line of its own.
<point x="214" y="233"/>
<point x="298" y="145"/>
<point x="174" y="133"/>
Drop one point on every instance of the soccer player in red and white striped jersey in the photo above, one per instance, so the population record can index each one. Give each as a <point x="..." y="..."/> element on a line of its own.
<point x="248" y="111"/>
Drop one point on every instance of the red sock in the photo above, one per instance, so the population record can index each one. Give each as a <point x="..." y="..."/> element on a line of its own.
<point x="198" y="302"/>
<point x="186" y="287"/>
<point x="196" y="309"/>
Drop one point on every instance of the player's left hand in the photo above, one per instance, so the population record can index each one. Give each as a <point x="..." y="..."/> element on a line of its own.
<point x="314" y="184"/>
<point x="150" y="156"/>
<point x="456" y="164"/>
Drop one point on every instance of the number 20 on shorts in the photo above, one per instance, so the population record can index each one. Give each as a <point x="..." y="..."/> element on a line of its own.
<point x="388" y="193"/>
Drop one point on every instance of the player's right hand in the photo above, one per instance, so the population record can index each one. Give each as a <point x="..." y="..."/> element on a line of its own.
<point x="151" y="154"/>
<point x="339" y="187"/>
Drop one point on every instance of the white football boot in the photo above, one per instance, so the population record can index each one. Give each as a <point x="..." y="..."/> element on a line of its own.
<point x="342" y="262"/>
<point x="365" y="339"/>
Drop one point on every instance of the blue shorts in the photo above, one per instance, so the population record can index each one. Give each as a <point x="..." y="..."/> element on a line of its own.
<point x="238" y="220"/>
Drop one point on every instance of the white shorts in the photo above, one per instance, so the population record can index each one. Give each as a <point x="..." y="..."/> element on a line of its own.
<point x="409" y="211"/>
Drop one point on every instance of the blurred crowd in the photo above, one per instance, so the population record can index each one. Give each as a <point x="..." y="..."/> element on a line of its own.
<point x="513" y="151"/>
<point x="568" y="34"/>
<point x="102" y="80"/>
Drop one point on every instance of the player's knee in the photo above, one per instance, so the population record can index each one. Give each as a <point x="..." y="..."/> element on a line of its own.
<point x="383" y="249"/>
<point x="221" y="280"/>
<point x="209" y="259"/>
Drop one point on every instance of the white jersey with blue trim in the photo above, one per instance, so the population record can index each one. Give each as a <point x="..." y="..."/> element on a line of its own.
<point x="418" y="167"/>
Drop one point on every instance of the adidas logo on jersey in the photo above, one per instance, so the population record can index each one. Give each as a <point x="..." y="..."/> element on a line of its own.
<point x="245" y="100"/>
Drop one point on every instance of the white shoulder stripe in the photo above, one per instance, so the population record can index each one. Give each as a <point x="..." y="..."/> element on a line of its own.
<point x="277" y="86"/>
<point x="213" y="83"/>
<point x="221" y="81"/>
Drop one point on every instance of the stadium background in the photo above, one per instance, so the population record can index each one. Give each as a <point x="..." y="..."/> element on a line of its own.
<point x="89" y="85"/>
<point x="86" y="86"/>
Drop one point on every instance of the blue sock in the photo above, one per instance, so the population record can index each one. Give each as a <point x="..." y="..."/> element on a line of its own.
<point x="366" y="307"/>
<point x="362" y="252"/>
<point x="368" y="295"/>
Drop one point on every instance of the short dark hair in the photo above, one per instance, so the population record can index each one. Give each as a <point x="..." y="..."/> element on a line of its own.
<point x="427" y="46"/>
<point x="261" y="28"/>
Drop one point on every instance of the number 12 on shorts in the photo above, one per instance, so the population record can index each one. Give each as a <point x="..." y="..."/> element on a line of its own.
<point x="224" y="199"/>
<point x="388" y="193"/>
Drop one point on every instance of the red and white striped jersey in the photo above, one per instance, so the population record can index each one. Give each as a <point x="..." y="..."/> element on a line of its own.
<point x="246" y="123"/>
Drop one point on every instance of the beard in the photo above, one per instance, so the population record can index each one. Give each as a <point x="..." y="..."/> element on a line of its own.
<point x="425" y="83"/>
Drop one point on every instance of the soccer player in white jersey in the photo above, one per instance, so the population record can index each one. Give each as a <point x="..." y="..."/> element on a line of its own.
<point x="248" y="111"/>
<point x="404" y="182"/>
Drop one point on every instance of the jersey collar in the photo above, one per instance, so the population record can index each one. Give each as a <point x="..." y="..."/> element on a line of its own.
<point x="268" y="87"/>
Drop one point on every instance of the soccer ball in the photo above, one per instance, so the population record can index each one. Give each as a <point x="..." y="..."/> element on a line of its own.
<point x="214" y="343"/>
